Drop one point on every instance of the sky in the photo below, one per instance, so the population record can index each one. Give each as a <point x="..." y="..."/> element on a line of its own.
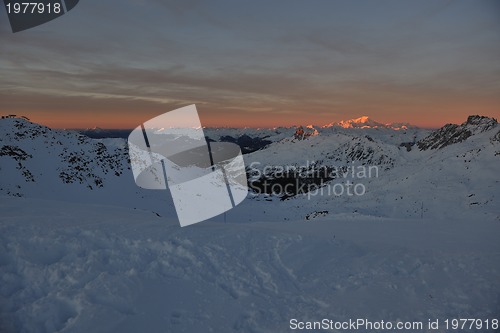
<point x="116" y="64"/>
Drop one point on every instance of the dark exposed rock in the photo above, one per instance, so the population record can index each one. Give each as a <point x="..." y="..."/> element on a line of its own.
<point x="246" y="143"/>
<point x="316" y="214"/>
<point x="407" y="145"/>
<point x="289" y="182"/>
<point x="452" y="133"/>
<point x="15" y="152"/>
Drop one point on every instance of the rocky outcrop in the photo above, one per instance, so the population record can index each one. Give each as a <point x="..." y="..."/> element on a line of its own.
<point x="452" y="133"/>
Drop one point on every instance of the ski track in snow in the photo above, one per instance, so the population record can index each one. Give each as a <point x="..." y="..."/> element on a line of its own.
<point x="68" y="267"/>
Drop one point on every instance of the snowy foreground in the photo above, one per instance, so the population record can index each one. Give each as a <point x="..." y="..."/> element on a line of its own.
<point x="68" y="267"/>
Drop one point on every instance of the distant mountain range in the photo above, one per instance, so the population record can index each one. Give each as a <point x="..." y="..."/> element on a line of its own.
<point x="449" y="171"/>
<point x="253" y="139"/>
<point x="366" y="122"/>
<point x="362" y="122"/>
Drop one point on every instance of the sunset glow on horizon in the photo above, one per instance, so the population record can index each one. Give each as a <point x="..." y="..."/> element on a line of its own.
<point x="72" y="121"/>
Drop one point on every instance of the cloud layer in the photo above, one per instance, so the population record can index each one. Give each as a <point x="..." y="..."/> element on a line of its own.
<point x="255" y="63"/>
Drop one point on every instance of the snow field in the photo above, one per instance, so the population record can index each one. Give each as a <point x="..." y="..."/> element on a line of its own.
<point x="78" y="268"/>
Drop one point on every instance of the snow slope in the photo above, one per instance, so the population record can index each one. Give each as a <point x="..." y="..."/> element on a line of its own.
<point x="40" y="162"/>
<point x="70" y="267"/>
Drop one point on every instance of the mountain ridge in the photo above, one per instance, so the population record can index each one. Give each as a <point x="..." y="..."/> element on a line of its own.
<point x="367" y="122"/>
<point x="36" y="161"/>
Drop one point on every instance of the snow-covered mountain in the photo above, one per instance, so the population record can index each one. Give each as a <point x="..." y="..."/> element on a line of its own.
<point x="252" y="139"/>
<point x="461" y="176"/>
<point x="37" y="161"/>
<point x="83" y="249"/>
<point x="412" y="181"/>
<point x="366" y="122"/>
<point x="452" y="133"/>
